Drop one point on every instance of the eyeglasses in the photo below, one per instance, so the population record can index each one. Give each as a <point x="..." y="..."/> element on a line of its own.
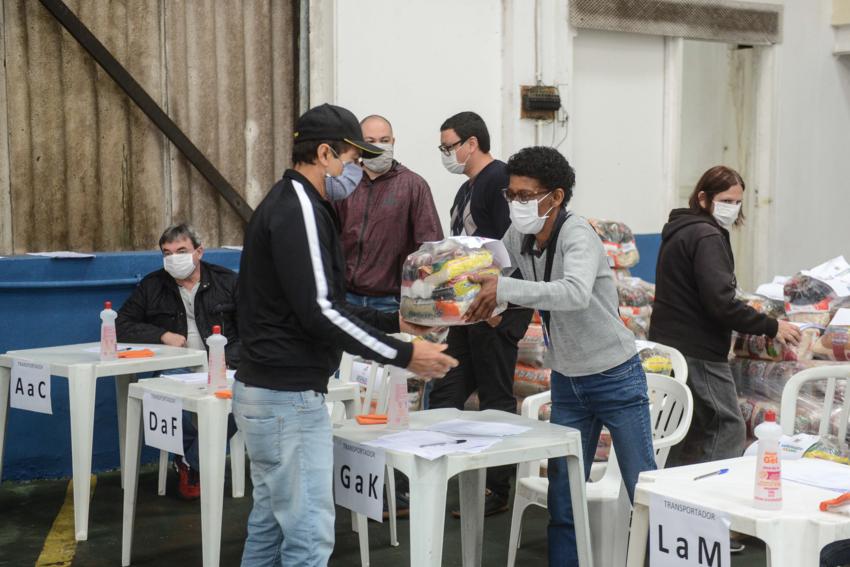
<point x="446" y="149"/>
<point x="522" y="196"/>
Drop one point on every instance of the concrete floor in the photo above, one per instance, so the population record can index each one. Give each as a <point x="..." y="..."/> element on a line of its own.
<point x="168" y="530"/>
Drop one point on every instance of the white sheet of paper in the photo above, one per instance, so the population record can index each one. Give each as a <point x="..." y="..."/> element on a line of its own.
<point x="431" y="444"/>
<point x="496" y="247"/>
<point x="829" y="269"/>
<point x="841" y="319"/>
<point x="359" y="478"/>
<point x="197" y="377"/>
<point x="465" y="427"/>
<point x="60" y="254"/>
<point x="232" y="248"/>
<point x="781" y="280"/>
<point x="772" y="290"/>
<point x="790" y="447"/>
<point x="162" y="418"/>
<point x="818" y="473"/>
<point x="29" y="388"/>
<point x="683" y="535"/>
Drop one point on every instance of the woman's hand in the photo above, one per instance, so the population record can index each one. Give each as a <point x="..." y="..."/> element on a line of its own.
<point x="788" y="333"/>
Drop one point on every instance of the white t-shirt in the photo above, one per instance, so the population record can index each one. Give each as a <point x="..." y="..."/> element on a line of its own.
<point x="193" y="338"/>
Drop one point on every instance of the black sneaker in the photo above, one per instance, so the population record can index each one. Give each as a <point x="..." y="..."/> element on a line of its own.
<point x="493" y="504"/>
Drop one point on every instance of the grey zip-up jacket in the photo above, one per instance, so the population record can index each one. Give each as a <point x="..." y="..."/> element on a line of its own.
<point x="586" y="333"/>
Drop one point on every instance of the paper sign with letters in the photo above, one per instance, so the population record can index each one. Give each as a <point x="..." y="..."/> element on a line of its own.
<point x="162" y="419"/>
<point x="359" y="478"/>
<point x="29" y="388"/>
<point x="683" y="535"/>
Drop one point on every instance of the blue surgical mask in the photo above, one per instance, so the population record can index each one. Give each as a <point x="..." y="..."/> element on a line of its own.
<point x="341" y="186"/>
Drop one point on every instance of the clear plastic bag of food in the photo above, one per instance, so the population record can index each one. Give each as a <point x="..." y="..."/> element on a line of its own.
<point x="619" y="242"/>
<point x="636" y="297"/>
<point x="770" y="307"/>
<point x="655" y="361"/>
<point x="809" y="299"/>
<point x="765" y="348"/>
<point x="436" y="290"/>
<point x="835" y="342"/>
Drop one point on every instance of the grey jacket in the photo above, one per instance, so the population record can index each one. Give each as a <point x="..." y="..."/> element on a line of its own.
<point x="587" y="335"/>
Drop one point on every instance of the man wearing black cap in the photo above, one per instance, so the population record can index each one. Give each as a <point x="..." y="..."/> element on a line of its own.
<point x="294" y="324"/>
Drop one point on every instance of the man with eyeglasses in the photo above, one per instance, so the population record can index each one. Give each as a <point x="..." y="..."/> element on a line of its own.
<point x="487" y="351"/>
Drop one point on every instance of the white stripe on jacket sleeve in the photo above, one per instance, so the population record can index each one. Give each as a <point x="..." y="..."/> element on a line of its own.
<point x="325" y="306"/>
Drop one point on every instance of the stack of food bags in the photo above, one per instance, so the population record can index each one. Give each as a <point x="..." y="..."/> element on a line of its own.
<point x="620" y="245"/>
<point x="835" y="342"/>
<point x="436" y="290"/>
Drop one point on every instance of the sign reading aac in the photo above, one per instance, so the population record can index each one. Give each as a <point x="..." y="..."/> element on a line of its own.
<point x="684" y="535"/>
<point x="359" y="478"/>
<point x="162" y="419"/>
<point x="29" y="388"/>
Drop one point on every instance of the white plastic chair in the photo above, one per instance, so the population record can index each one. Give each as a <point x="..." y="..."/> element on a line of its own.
<point x="377" y="391"/>
<point x="791" y="392"/>
<point x="671" y="410"/>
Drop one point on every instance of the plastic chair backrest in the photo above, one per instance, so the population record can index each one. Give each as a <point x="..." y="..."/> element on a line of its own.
<point x="346" y="365"/>
<point x="791" y="392"/>
<point x="680" y="365"/>
<point x="671" y="408"/>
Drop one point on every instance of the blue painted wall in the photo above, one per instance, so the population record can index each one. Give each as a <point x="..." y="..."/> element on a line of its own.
<point x="648" y="245"/>
<point x="48" y="302"/>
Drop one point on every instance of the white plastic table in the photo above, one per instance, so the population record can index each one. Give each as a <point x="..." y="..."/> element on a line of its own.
<point x="429" y="479"/>
<point x="794" y="535"/>
<point x="82" y="369"/>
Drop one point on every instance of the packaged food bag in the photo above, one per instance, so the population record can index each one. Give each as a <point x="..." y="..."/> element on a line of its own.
<point x="835" y="342"/>
<point x="765" y="348"/>
<point x="531" y="349"/>
<point x="436" y="290"/>
<point x="636" y="297"/>
<point x="529" y="380"/>
<point x="619" y="242"/>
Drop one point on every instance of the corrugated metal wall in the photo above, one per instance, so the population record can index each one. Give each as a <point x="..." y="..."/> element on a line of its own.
<point x="84" y="169"/>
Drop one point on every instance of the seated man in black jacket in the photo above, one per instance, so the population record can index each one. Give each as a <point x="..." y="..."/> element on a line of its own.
<point x="178" y="306"/>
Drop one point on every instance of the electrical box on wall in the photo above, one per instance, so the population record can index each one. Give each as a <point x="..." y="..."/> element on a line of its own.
<point x="540" y="102"/>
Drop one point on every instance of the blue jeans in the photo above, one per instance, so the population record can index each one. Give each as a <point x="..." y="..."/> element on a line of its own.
<point x="290" y="444"/>
<point x="387" y="303"/>
<point x="618" y="400"/>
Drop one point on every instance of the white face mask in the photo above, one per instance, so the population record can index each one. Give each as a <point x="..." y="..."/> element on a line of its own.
<point x="726" y="214"/>
<point x="179" y="266"/>
<point x="525" y="218"/>
<point x="451" y="164"/>
<point x="382" y="163"/>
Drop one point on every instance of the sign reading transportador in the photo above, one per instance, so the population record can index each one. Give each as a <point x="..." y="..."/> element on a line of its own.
<point x="684" y="535"/>
<point x="359" y="478"/>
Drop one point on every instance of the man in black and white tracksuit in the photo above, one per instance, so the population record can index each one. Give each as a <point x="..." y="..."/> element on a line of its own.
<point x="294" y="324"/>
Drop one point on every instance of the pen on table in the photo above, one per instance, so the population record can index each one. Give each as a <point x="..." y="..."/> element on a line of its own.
<point x="443" y="443"/>
<point x="714" y="473"/>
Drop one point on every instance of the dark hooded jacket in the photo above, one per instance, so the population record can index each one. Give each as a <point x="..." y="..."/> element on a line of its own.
<point x="695" y="307"/>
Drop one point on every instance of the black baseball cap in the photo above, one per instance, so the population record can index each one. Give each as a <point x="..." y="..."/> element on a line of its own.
<point x="329" y="122"/>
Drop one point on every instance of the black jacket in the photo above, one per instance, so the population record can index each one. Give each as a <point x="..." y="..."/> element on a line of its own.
<point x="156" y="307"/>
<point x="293" y="319"/>
<point x="488" y="208"/>
<point x="695" y="307"/>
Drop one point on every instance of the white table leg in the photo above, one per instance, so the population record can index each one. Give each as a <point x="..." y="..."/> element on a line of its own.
<point x="81" y="392"/>
<point x="162" y="479"/>
<point x="133" y="448"/>
<point x="362" y="524"/>
<point x="122" y="387"/>
<point x="637" y="536"/>
<point x="428" y="485"/>
<point x="389" y="481"/>
<point x="212" y="444"/>
<point x="575" y="471"/>
<point x="237" y="464"/>
<point x="5" y="380"/>
<point x="472" y="516"/>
